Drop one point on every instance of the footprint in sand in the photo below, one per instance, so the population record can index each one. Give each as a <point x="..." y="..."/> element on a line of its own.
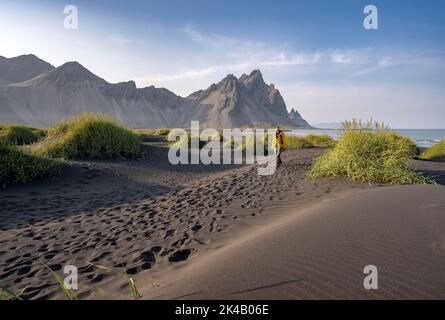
<point x="180" y="255"/>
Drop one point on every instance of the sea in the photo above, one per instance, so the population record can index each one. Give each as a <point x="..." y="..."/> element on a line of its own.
<point x="422" y="137"/>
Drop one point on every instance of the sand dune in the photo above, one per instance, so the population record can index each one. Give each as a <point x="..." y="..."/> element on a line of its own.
<point x="147" y="215"/>
<point x="319" y="252"/>
<point x="196" y="231"/>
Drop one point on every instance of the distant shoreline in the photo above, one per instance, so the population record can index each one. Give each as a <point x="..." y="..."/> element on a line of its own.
<point x="422" y="137"/>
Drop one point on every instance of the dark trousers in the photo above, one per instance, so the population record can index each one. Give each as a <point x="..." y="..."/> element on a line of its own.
<point x="279" y="150"/>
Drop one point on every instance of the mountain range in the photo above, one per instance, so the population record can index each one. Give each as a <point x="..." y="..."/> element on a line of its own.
<point x="34" y="92"/>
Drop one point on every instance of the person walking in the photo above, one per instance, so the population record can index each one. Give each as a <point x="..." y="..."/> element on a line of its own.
<point x="279" y="144"/>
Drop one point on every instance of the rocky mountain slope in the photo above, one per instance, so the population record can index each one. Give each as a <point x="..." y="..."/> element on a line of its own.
<point x="21" y="68"/>
<point x="296" y="118"/>
<point x="35" y="93"/>
<point x="238" y="102"/>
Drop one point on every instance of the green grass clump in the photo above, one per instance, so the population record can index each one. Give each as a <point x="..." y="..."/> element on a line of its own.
<point x="20" y="135"/>
<point x="152" y="132"/>
<point x="411" y="149"/>
<point x="20" y="166"/>
<point x="187" y="142"/>
<point x="162" y="132"/>
<point x="435" y="152"/>
<point x="93" y="136"/>
<point x="291" y="142"/>
<point x="142" y="132"/>
<point x="323" y="141"/>
<point x="369" y="152"/>
<point x="295" y="142"/>
<point x="245" y="143"/>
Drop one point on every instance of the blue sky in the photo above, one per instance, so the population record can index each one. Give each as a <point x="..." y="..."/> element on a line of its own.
<point x="317" y="53"/>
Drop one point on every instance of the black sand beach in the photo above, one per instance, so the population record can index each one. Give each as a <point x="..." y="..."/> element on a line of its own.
<point x="229" y="232"/>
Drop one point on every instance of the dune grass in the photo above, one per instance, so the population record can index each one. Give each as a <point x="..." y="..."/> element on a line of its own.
<point x="20" y="166"/>
<point x="246" y="143"/>
<point x="152" y="132"/>
<point x="162" y="132"/>
<point x="20" y="135"/>
<point x="8" y="294"/>
<point x="93" y="136"/>
<point x="435" y="152"/>
<point x="296" y="142"/>
<point x="322" y="141"/>
<point x="135" y="294"/>
<point x="369" y="152"/>
<point x="69" y="293"/>
<point x="291" y="141"/>
<point x="186" y="142"/>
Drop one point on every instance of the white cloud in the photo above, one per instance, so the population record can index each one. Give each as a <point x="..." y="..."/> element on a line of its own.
<point x="284" y="59"/>
<point x="212" y="40"/>
<point x="349" y="56"/>
<point x="218" y="56"/>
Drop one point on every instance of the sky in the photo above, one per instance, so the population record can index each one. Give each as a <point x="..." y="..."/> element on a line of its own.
<point x="317" y="53"/>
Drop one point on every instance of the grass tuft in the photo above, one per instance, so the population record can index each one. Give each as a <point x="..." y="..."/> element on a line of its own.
<point x="69" y="293"/>
<point x="142" y="133"/>
<point x="162" y="132"/>
<point x="184" y="141"/>
<point x="132" y="285"/>
<point x="90" y="135"/>
<point x="291" y="141"/>
<point x="20" y="135"/>
<point x="20" y="166"/>
<point x="435" y="152"/>
<point x="369" y="152"/>
<point x="295" y="142"/>
<point x="135" y="294"/>
<point x="322" y="141"/>
<point x="7" y="294"/>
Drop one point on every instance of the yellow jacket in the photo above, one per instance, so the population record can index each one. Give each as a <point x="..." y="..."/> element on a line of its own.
<point x="279" y="139"/>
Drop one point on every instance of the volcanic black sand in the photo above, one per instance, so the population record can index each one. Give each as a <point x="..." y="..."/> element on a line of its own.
<point x="196" y="231"/>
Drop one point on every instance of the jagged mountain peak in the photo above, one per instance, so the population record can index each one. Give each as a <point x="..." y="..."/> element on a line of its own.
<point x="230" y="78"/>
<point x="296" y="118"/>
<point x="246" y="100"/>
<point x="232" y="81"/>
<point x="71" y="88"/>
<point x="256" y="74"/>
<point x="229" y="83"/>
<point x="127" y="84"/>
<point x="254" y="81"/>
